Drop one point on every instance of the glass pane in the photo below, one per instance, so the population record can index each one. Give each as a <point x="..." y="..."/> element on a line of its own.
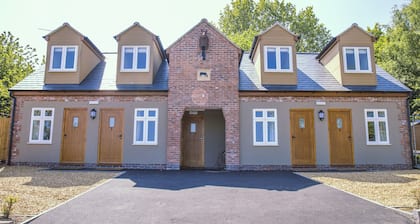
<point x="151" y="125"/>
<point x="75" y="122"/>
<point x="271" y="58"/>
<point x="35" y="130"/>
<point x="152" y="113"/>
<point x="369" y="114"/>
<point x="48" y="113"/>
<point x="363" y="59"/>
<point x="111" y="122"/>
<point x="128" y="58"/>
<point x="270" y="113"/>
<point x="140" y="113"/>
<point x="339" y="123"/>
<point x="56" y="63"/>
<point x="381" y="113"/>
<point x="47" y="130"/>
<point x="141" y="59"/>
<point x="284" y="58"/>
<point x="193" y="128"/>
<point x="382" y="131"/>
<point x="37" y="112"/>
<point x="301" y="122"/>
<point x="139" y="131"/>
<point x="351" y="62"/>
<point x="259" y="131"/>
<point x="371" y="131"/>
<point x="270" y="131"/>
<point x="258" y="114"/>
<point x="71" y="52"/>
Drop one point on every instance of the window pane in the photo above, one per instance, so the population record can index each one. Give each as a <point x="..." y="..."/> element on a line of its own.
<point x="369" y="114"/>
<point x="382" y="131"/>
<point x="351" y="62"/>
<point x="363" y="59"/>
<point x="48" y="113"/>
<point x="258" y="113"/>
<point x="270" y="131"/>
<point x="71" y="52"/>
<point x="381" y="113"/>
<point x="271" y="58"/>
<point x="141" y="58"/>
<point x="140" y="113"/>
<point x="152" y="113"/>
<point x="37" y="112"/>
<point x="151" y="125"/>
<point x="47" y="130"/>
<point x="128" y="58"/>
<point x="139" y="131"/>
<point x="284" y="57"/>
<point x="371" y="131"/>
<point x="270" y="113"/>
<point x="35" y="130"/>
<point x="56" y="63"/>
<point x="259" y="131"/>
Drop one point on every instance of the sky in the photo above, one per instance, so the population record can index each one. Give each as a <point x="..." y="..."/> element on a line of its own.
<point x="100" y="20"/>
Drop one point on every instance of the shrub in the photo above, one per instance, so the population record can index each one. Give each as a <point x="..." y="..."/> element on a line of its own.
<point x="8" y="205"/>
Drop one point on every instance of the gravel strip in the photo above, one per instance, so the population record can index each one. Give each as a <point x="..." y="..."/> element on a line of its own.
<point x="390" y="188"/>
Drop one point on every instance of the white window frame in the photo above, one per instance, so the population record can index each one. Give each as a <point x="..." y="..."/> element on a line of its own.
<point x="376" y="119"/>
<point x="135" y="53"/>
<point x="63" y="58"/>
<point x="41" y="119"/>
<point x="278" y="59"/>
<point x="357" y="61"/>
<point x="145" y="120"/>
<point x="265" y="120"/>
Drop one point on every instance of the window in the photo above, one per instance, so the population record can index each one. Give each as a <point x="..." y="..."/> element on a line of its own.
<point x="145" y="126"/>
<point x="41" y="125"/>
<point x="278" y="59"/>
<point x="376" y="126"/>
<point x="357" y="59"/>
<point x="265" y="126"/>
<point x="63" y="58"/>
<point x="135" y="59"/>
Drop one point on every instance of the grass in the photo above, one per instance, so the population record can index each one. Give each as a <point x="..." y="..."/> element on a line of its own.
<point x="390" y="188"/>
<point x="38" y="189"/>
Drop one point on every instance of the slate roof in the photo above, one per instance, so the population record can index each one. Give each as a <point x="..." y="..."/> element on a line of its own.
<point x="101" y="78"/>
<point x="313" y="77"/>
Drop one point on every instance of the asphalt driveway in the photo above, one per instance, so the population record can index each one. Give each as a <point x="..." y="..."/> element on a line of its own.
<point x="218" y="197"/>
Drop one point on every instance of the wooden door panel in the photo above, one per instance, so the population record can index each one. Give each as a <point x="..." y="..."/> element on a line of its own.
<point x="111" y="136"/>
<point x="302" y="137"/>
<point x="74" y="135"/>
<point x="340" y="137"/>
<point x="193" y="141"/>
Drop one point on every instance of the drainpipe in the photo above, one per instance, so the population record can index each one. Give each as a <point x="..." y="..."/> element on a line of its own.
<point x="12" y="124"/>
<point x="413" y="161"/>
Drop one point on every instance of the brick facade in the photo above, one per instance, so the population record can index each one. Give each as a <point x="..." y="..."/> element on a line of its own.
<point x="187" y="93"/>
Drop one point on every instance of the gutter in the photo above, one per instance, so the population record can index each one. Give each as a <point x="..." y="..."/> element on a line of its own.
<point x="410" y="137"/>
<point x="12" y="124"/>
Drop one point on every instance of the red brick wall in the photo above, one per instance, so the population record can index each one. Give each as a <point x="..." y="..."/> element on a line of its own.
<point x="186" y="93"/>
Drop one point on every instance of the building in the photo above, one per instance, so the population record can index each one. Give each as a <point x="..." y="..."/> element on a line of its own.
<point x="204" y="103"/>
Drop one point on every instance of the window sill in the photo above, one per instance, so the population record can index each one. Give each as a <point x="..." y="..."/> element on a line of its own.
<point x="144" y="144"/>
<point x="357" y="71"/>
<point x="128" y="71"/>
<point x="39" y="143"/>
<point x="62" y="70"/>
<point x="378" y="144"/>
<point x="279" y="71"/>
<point x="269" y="145"/>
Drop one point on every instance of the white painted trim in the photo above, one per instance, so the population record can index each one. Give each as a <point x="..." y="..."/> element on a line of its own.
<point x="264" y="120"/>
<point x="135" y="53"/>
<point x="41" y="119"/>
<point x="375" y="119"/>
<point x="356" y="60"/>
<point x="63" y="58"/>
<point x="278" y="59"/>
<point x="146" y="119"/>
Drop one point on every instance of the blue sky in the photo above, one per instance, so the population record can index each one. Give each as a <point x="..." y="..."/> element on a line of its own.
<point x="100" y="20"/>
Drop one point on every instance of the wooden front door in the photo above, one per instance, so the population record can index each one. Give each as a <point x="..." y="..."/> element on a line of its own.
<point x="74" y="135"/>
<point x="302" y="137"/>
<point x="193" y="140"/>
<point x="111" y="136"/>
<point x="341" y="140"/>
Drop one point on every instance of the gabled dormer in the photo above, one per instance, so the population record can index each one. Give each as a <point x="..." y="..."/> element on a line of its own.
<point x="140" y="54"/>
<point x="273" y="53"/>
<point x="70" y="56"/>
<point x="349" y="57"/>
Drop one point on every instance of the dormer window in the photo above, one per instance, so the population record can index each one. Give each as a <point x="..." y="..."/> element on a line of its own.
<point x="135" y="59"/>
<point x="357" y="60"/>
<point x="278" y="59"/>
<point x="63" y="58"/>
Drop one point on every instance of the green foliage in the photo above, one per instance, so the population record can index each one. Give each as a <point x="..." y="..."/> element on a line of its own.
<point x="7" y="206"/>
<point x="243" y="19"/>
<point x="397" y="49"/>
<point x="16" y="62"/>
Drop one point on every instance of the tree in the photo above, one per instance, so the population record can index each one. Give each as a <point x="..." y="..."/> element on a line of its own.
<point x="16" y="62"/>
<point x="243" y="19"/>
<point x="397" y="49"/>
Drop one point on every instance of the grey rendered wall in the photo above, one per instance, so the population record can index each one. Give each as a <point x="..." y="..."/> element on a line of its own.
<point x="214" y="131"/>
<point x="136" y="154"/>
<point x="280" y="155"/>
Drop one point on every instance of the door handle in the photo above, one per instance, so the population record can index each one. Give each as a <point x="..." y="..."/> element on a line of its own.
<point x="293" y="136"/>
<point x="65" y="135"/>
<point x="120" y="136"/>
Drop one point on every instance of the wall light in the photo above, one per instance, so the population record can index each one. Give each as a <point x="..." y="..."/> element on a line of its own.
<point x="321" y="115"/>
<point x="92" y="114"/>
